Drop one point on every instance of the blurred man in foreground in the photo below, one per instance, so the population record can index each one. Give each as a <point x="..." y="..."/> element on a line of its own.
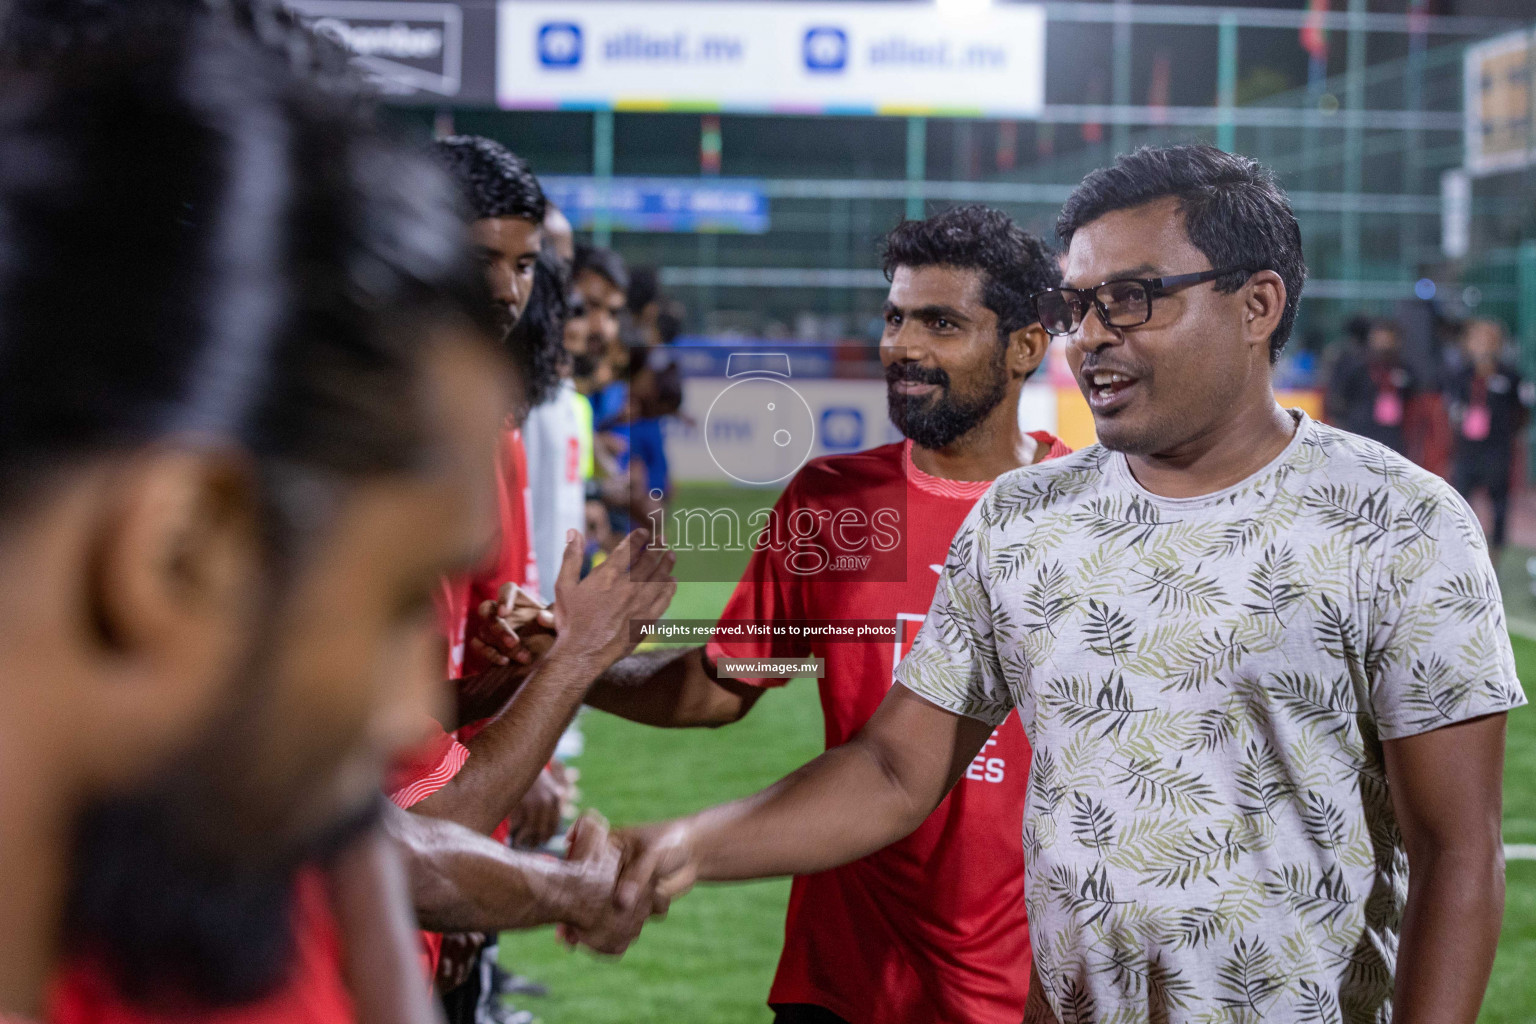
<point x="933" y="928"/>
<point x="231" y="482"/>
<point x="229" y="501"/>
<point x="1262" y="663"/>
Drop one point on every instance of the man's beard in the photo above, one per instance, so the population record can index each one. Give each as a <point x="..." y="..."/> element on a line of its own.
<point x="943" y="417"/>
<point x="165" y="899"/>
<point x="173" y="925"/>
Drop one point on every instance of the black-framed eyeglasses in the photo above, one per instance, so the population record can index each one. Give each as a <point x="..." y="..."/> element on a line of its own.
<point x="1126" y="302"/>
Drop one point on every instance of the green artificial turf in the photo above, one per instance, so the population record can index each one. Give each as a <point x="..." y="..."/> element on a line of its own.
<point x="713" y="957"/>
<point x="711" y="960"/>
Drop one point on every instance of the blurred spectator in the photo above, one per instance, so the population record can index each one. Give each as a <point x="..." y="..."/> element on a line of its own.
<point x="1339" y="355"/>
<point x="558" y="431"/>
<point x="1489" y="405"/>
<point x="228" y="481"/>
<point x="559" y="234"/>
<point x="1370" y="388"/>
<point x="507" y="207"/>
<point x="642" y="301"/>
<point x="601" y="278"/>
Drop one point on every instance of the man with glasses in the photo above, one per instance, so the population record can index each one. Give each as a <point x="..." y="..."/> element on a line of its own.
<point x="1262" y="663"/>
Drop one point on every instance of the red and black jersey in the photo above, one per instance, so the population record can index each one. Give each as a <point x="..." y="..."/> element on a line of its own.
<point x="931" y="928"/>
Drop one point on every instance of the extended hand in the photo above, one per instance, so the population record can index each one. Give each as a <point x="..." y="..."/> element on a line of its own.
<point x="631" y="588"/>
<point x="597" y="921"/>
<point x="660" y="864"/>
<point x="537" y="817"/>
<point x="503" y="631"/>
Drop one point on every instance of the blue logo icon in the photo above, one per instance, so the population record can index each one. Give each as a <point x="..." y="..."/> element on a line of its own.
<point x="842" y="428"/>
<point x="826" y="49"/>
<point x="560" y="44"/>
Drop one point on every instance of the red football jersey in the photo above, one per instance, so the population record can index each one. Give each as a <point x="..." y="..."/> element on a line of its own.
<point x="316" y="992"/>
<point x="931" y="928"/>
<point x="512" y="561"/>
<point x="420" y="776"/>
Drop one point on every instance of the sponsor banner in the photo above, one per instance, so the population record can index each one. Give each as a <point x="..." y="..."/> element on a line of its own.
<point x="687" y="205"/>
<point x="1500" y="90"/>
<point x="791" y="56"/>
<point x="410" y="50"/>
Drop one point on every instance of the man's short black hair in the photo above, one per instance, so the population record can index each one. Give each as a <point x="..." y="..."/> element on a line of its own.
<point x="1235" y="212"/>
<point x="1013" y="263"/>
<point x="605" y="263"/>
<point x="495" y="182"/>
<point x="644" y="289"/>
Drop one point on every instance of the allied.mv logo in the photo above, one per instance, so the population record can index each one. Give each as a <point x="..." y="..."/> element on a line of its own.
<point x="826" y="49"/>
<point x="842" y="428"/>
<point x="559" y="44"/>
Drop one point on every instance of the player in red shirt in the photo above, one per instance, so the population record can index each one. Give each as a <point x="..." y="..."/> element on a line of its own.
<point x="508" y="719"/>
<point x="931" y="928"/>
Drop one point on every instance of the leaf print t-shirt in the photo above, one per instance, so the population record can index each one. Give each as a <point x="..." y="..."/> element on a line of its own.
<point x="1206" y="684"/>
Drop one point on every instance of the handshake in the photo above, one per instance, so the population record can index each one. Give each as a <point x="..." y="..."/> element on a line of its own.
<point x="617" y="880"/>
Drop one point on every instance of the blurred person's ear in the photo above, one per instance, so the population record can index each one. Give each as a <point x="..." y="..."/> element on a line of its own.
<point x="1027" y="347"/>
<point x="172" y="588"/>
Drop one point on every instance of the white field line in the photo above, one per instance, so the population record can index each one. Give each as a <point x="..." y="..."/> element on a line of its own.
<point x="1519" y="851"/>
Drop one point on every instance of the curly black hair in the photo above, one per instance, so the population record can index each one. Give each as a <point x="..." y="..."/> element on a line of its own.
<point x="494" y="180"/>
<point x="1235" y="213"/>
<point x="1014" y="264"/>
<point x="537" y="340"/>
<point x="38" y="32"/>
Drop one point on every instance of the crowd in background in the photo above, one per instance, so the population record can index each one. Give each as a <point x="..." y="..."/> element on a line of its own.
<point x="1458" y="411"/>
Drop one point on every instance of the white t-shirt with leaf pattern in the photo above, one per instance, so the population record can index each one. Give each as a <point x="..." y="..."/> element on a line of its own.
<point x="1206" y="683"/>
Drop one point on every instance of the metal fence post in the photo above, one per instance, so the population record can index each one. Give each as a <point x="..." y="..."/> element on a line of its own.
<point x="1120" y="80"/>
<point x="1525" y="331"/>
<point x="1226" y="81"/>
<point x="1354" y="143"/>
<point x="602" y="171"/>
<point x="917" y="165"/>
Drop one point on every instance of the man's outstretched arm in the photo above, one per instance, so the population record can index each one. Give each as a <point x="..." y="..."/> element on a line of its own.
<point x="594" y="617"/>
<point x="1447" y="790"/>
<point x="849" y="802"/>
<point x="672" y="688"/>
<point x="461" y="881"/>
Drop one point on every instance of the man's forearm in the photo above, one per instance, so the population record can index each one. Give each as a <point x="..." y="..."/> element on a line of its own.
<point x="508" y="754"/>
<point x="670" y="688"/>
<point x="461" y="881"/>
<point x="1450" y="931"/>
<point x="849" y="802"/>
<point x="844" y="805"/>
